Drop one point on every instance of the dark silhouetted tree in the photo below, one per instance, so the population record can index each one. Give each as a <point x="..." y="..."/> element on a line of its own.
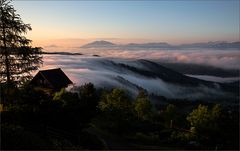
<point x="199" y="118"/>
<point x="17" y="57"/>
<point x="206" y="122"/>
<point x="170" y="115"/>
<point x="115" y="101"/>
<point x="116" y="109"/>
<point x="143" y="106"/>
<point x="88" y="94"/>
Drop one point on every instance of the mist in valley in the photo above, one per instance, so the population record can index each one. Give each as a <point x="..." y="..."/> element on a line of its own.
<point x="126" y="69"/>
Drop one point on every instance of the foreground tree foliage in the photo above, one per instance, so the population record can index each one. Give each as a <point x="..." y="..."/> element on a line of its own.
<point x="204" y="120"/>
<point x="205" y="123"/>
<point x="115" y="101"/>
<point x="88" y="118"/>
<point x="143" y="107"/>
<point x="64" y="114"/>
<point x="210" y="129"/>
<point x="116" y="108"/>
<point x="170" y="115"/>
<point x="17" y="57"/>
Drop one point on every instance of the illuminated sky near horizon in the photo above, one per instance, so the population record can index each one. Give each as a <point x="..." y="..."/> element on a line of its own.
<point x="168" y="21"/>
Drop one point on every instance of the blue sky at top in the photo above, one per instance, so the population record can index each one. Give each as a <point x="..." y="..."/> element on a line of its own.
<point x="170" y="21"/>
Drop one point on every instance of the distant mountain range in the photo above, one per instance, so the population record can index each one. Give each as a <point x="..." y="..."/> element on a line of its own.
<point x="163" y="45"/>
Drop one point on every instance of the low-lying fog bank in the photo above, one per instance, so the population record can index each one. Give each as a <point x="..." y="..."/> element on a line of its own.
<point x="215" y="79"/>
<point x="227" y="59"/>
<point x="132" y="75"/>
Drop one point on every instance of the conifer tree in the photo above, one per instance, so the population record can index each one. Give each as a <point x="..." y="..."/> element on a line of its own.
<point x="17" y="57"/>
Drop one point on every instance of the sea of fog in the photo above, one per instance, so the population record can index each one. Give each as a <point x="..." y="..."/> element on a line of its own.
<point x="220" y="58"/>
<point x="88" y="68"/>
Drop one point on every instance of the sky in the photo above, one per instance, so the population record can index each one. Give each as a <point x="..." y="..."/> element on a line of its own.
<point x="174" y="22"/>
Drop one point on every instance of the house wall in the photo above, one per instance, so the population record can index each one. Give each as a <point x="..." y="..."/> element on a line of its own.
<point x="41" y="82"/>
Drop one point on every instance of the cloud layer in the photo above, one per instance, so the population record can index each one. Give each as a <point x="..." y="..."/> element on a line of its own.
<point x="228" y="59"/>
<point x="101" y="72"/>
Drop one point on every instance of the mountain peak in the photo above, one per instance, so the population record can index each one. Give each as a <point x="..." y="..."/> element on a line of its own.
<point x="101" y="43"/>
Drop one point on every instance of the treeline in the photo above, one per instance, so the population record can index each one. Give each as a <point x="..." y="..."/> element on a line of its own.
<point x="79" y="119"/>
